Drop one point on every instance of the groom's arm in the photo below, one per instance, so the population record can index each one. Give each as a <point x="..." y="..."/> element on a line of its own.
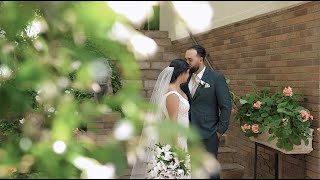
<point x="224" y="103"/>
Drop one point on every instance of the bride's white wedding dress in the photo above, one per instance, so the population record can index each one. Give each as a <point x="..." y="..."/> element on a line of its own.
<point x="158" y="97"/>
<point x="183" y="119"/>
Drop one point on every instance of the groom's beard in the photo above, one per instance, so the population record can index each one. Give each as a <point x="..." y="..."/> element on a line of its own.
<point x="194" y="69"/>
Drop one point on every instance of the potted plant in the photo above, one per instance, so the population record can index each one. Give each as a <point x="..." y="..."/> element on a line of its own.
<point x="276" y="120"/>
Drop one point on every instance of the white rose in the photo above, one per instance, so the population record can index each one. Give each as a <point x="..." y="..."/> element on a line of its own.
<point x="167" y="148"/>
<point x="167" y="156"/>
<point x="164" y="166"/>
<point x="170" y="175"/>
<point x="151" y="174"/>
<point x="180" y="171"/>
<point x="156" y="169"/>
<point x="159" y="165"/>
<point x="158" y="151"/>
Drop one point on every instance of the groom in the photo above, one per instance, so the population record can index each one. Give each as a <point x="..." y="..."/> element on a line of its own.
<point x="209" y="98"/>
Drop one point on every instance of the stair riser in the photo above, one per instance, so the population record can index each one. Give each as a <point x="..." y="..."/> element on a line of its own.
<point x="225" y="158"/>
<point x="234" y="174"/>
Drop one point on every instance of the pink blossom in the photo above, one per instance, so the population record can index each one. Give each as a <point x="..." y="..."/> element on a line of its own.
<point x="318" y="129"/>
<point x="287" y="91"/>
<point x="311" y="117"/>
<point x="245" y="127"/>
<point x="255" y="128"/>
<point x="257" y="104"/>
<point x="305" y="115"/>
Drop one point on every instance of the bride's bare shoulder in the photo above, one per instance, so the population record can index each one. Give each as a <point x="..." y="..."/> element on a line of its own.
<point x="172" y="101"/>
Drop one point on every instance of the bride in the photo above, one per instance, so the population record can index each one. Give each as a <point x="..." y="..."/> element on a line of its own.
<point x="172" y="103"/>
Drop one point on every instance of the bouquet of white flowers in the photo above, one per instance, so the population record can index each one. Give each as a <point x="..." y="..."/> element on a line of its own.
<point x="168" y="163"/>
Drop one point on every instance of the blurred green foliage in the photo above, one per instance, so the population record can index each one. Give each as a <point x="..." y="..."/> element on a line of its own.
<point x="38" y="111"/>
<point x="154" y="22"/>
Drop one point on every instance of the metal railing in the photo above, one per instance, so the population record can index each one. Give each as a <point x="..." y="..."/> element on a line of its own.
<point x="206" y="58"/>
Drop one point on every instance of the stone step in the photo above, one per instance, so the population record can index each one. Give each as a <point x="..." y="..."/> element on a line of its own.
<point x="231" y="171"/>
<point x="158" y="56"/>
<point x="156" y="34"/>
<point x="225" y="149"/>
<point x="162" y="41"/>
<point x="169" y="56"/>
<point x="226" y="155"/>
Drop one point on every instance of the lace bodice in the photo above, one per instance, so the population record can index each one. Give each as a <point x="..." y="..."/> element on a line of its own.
<point x="183" y="117"/>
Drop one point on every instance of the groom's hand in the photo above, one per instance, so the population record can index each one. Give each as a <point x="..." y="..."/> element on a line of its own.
<point x="219" y="135"/>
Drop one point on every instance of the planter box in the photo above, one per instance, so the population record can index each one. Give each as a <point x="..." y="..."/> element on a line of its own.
<point x="297" y="149"/>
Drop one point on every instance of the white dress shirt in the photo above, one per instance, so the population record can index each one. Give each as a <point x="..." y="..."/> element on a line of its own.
<point x="200" y="74"/>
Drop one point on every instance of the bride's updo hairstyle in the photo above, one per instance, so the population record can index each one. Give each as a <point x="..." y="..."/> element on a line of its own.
<point x="180" y="66"/>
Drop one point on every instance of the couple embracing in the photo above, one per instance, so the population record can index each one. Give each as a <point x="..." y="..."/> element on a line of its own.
<point x="194" y="96"/>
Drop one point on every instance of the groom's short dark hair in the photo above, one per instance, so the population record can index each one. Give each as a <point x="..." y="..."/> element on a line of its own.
<point x="201" y="51"/>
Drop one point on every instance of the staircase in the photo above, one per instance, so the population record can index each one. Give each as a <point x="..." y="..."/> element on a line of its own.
<point x="226" y="157"/>
<point x="151" y="68"/>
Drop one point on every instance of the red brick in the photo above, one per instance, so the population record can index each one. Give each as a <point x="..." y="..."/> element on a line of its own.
<point x="276" y="64"/>
<point x="301" y="12"/>
<point x="281" y="37"/>
<point x="306" y="47"/>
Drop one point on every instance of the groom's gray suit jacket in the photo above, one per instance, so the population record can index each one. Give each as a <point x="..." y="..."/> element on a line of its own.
<point x="207" y="102"/>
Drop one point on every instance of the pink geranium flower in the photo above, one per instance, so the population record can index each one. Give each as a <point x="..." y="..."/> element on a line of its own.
<point x="245" y="127"/>
<point x="305" y="115"/>
<point x="255" y="128"/>
<point x="257" y="104"/>
<point x="287" y="91"/>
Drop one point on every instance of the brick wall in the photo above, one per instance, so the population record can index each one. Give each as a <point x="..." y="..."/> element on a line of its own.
<point x="276" y="49"/>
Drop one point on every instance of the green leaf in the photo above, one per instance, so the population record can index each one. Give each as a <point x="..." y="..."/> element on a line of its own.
<point x="271" y="130"/>
<point x="296" y="141"/>
<point x="282" y="104"/>
<point x="261" y="128"/>
<point x="281" y="110"/>
<point x="288" y="146"/>
<point x="280" y="144"/>
<point x="242" y="101"/>
<point x="271" y="138"/>
<point x="287" y="131"/>
<point x="264" y="115"/>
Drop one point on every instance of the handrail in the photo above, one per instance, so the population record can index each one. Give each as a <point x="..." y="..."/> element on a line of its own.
<point x="195" y="42"/>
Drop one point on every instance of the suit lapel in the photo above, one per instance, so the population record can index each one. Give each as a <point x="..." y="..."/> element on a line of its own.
<point x="204" y="78"/>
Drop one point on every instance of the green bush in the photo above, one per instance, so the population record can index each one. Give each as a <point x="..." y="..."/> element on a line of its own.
<point x="38" y="116"/>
